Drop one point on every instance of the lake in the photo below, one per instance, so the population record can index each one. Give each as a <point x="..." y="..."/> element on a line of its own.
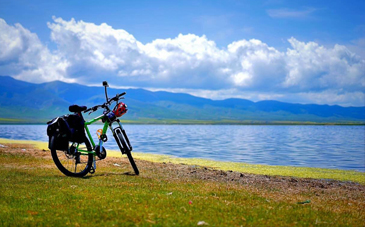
<point x="339" y="147"/>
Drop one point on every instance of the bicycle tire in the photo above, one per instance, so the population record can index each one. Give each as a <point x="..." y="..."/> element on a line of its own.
<point x="129" y="154"/>
<point x="66" y="163"/>
<point x="133" y="164"/>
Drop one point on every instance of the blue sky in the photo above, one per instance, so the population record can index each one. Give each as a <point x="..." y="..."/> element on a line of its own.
<point x="272" y="22"/>
<point x="295" y="51"/>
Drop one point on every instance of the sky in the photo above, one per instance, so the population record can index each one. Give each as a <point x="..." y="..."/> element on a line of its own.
<point x="291" y="51"/>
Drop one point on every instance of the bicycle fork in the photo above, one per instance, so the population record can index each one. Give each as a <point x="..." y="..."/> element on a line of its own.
<point x="121" y="137"/>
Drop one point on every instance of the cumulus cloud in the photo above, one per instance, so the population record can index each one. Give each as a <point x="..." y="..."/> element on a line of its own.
<point x="91" y="46"/>
<point x="88" y="53"/>
<point x="312" y="67"/>
<point x="23" y="56"/>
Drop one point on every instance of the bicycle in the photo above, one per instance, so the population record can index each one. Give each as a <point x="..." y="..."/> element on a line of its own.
<point x="67" y="133"/>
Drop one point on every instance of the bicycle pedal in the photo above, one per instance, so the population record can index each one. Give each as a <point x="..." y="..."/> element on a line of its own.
<point x="92" y="170"/>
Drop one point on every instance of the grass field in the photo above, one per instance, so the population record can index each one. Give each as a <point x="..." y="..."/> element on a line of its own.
<point x="35" y="193"/>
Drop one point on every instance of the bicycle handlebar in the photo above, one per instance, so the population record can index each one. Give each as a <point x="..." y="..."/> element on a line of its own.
<point x="106" y="104"/>
<point x="116" y="98"/>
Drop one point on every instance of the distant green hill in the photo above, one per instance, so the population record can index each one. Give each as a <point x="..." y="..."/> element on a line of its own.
<point x="34" y="103"/>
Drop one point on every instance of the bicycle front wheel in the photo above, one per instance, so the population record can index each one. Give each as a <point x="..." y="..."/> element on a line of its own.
<point x="133" y="164"/>
<point x="127" y="152"/>
<point x="71" y="162"/>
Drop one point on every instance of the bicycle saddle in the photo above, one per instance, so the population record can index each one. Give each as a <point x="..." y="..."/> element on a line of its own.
<point x="76" y="108"/>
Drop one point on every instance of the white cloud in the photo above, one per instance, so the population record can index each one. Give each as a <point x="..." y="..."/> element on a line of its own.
<point x="91" y="46"/>
<point x="23" y="56"/>
<point x="311" y="67"/>
<point x="255" y="63"/>
<point x="358" y="46"/>
<point x="290" y="13"/>
<point x="88" y="53"/>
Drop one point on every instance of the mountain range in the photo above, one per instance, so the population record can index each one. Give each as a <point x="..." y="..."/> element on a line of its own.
<point x="36" y="103"/>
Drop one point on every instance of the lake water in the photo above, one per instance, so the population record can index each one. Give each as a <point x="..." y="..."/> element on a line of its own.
<point x="339" y="147"/>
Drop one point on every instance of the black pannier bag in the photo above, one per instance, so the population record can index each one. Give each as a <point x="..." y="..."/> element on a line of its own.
<point x="76" y="126"/>
<point x="64" y="129"/>
<point x="58" y="130"/>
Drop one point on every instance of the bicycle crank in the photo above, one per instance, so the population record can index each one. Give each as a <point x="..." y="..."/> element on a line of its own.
<point x="101" y="154"/>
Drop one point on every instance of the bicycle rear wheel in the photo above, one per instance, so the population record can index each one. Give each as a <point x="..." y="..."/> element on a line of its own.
<point x="71" y="163"/>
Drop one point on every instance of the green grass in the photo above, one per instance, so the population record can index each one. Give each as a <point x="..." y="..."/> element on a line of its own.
<point x="35" y="193"/>
<point x="11" y="120"/>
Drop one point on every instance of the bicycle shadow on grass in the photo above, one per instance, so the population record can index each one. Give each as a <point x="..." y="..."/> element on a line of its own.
<point x="110" y="174"/>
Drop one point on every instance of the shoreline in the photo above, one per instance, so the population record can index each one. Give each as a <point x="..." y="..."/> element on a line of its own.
<point x="8" y="121"/>
<point x="287" y="171"/>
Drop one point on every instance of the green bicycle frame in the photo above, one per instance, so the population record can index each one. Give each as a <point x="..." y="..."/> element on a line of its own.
<point x="105" y="128"/>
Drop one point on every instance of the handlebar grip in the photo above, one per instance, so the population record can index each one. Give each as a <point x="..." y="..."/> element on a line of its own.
<point x="122" y="94"/>
<point x="117" y="96"/>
